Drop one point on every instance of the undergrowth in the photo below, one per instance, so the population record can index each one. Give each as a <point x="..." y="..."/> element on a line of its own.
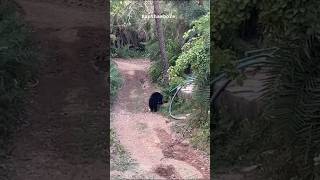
<point x="155" y="71"/>
<point x="126" y="52"/>
<point x="196" y="127"/>
<point x="241" y="142"/>
<point x="115" y="81"/>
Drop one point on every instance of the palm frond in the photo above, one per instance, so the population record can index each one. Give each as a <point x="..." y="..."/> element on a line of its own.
<point x="292" y="103"/>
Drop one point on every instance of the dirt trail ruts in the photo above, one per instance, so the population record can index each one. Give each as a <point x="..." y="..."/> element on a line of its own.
<point x="147" y="136"/>
<point x="67" y="123"/>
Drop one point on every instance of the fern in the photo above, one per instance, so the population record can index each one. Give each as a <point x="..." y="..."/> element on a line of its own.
<point x="291" y="98"/>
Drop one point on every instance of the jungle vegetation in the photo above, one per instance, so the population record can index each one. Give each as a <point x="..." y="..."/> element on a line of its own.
<point x="285" y="139"/>
<point x="174" y="45"/>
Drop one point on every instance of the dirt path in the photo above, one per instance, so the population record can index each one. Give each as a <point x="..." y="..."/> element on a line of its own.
<point x="147" y="136"/>
<point x="66" y="131"/>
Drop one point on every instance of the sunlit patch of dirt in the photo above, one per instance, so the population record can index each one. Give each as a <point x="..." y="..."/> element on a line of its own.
<point x="183" y="152"/>
<point x="145" y="135"/>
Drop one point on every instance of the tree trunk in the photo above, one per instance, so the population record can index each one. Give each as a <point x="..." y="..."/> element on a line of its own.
<point x="180" y="31"/>
<point x="161" y="41"/>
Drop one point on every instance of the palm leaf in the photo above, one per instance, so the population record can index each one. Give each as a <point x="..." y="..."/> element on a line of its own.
<point x="292" y="103"/>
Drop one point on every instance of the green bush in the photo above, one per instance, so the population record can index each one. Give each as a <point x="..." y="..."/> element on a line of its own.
<point x="173" y="50"/>
<point x="115" y="81"/>
<point x="153" y="53"/>
<point x="195" y="52"/>
<point x="152" y="50"/>
<point x="288" y="129"/>
<point x="155" y="71"/>
<point x="126" y="52"/>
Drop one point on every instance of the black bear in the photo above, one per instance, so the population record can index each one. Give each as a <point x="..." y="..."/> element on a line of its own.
<point x="154" y="101"/>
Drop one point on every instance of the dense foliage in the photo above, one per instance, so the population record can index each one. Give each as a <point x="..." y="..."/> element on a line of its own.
<point x="128" y="29"/>
<point x="187" y="38"/>
<point x="115" y="81"/>
<point x="193" y="61"/>
<point x="291" y="102"/>
<point x="288" y="127"/>
<point x="194" y="52"/>
<point x="291" y="92"/>
<point x="287" y="22"/>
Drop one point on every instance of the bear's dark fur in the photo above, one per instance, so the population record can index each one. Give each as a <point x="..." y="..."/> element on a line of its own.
<point x="155" y="100"/>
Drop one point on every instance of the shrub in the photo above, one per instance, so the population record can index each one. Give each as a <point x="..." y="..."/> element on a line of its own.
<point x="155" y="71"/>
<point x="126" y="52"/>
<point x="115" y="81"/>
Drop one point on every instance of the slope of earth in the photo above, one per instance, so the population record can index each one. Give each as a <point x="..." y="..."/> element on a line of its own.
<point x="64" y="137"/>
<point x="147" y="136"/>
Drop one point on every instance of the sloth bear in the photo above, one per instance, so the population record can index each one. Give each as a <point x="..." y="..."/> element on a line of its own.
<point x="155" y="100"/>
